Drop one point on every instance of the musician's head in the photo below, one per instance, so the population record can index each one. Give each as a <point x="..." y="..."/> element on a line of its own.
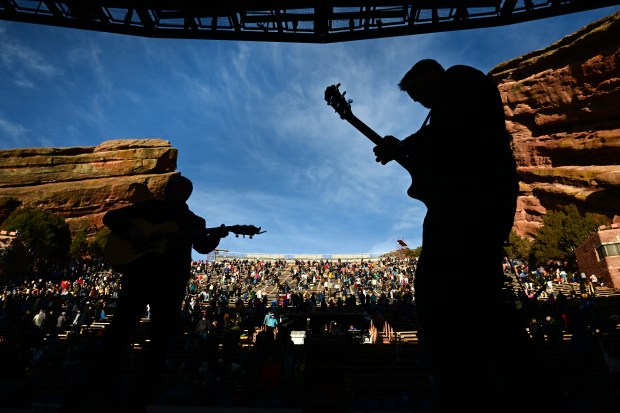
<point x="421" y="81"/>
<point x="178" y="189"/>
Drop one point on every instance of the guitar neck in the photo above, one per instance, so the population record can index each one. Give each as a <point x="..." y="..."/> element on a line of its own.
<point x="373" y="136"/>
<point x="342" y="106"/>
<point x="376" y="139"/>
<point x="365" y="129"/>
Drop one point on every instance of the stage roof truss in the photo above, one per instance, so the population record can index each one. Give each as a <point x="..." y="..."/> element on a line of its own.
<point x="298" y="21"/>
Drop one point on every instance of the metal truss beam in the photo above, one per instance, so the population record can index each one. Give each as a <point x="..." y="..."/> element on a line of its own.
<point x="296" y="21"/>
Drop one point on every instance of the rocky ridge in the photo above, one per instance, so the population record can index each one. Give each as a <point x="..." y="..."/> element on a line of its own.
<point x="562" y="106"/>
<point x="82" y="183"/>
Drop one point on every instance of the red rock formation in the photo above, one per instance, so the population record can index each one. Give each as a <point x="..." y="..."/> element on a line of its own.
<point x="563" y="111"/>
<point x="82" y="183"/>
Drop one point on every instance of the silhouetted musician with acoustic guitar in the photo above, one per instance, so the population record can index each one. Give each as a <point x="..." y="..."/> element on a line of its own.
<point x="151" y="243"/>
<point x="462" y="167"/>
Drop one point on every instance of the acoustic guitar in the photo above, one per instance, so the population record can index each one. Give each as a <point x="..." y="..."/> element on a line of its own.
<point x="120" y="251"/>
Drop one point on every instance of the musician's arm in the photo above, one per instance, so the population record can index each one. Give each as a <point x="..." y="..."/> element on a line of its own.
<point x="119" y="222"/>
<point x="393" y="148"/>
<point x="208" y="240"/>
<point x="412" y="142"/>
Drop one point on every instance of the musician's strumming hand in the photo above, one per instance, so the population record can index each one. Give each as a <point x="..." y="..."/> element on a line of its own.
<point x="388" y="150"/>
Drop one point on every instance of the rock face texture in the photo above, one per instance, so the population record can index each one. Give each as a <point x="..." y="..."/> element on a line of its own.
<point x="82" y="183"/>
<point x="562" y="106"/>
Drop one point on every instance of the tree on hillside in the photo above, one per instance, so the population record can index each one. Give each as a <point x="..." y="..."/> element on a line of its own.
<point x="405" y="253"/>
<point x="519" y="248"/>
<point x="46" y="235"/>
<point x="97" y="245"/>
<point x="414" y="253"/>
<point x="79" y="245"/>
<point x="561" y="233"/>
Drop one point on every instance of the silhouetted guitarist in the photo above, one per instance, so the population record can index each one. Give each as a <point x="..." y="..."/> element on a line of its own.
<point x="462" y="167"/>
<point x="157" y="278"/>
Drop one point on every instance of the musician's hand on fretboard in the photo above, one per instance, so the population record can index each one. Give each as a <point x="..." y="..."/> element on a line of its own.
<point x="387" y="150"/>
<point x="221" y="231"/>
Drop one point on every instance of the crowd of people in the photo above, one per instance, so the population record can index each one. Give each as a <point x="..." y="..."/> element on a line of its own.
<point x="65" y="299"/>
<point x="228" y="303"/>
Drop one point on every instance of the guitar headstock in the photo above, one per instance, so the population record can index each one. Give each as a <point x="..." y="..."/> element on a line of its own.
<point x="336" y="100"/>
<point x="249" y="230"/>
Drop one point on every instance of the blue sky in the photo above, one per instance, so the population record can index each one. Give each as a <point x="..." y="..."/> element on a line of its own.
<point x="249" y="119"/>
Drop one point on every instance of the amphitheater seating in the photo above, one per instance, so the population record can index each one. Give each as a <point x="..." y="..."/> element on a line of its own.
<point x="390" y="375"/>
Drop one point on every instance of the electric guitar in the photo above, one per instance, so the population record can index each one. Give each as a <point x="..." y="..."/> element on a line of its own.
<point x="120" y="251"/>
<point x="342" y="106"/>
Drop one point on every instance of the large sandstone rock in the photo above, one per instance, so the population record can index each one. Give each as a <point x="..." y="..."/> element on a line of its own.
<point x="563" y="111"/>
<point x="82" y="183"/>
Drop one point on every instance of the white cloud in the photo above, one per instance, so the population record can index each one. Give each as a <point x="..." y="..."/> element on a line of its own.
<point x="13" y="134"/>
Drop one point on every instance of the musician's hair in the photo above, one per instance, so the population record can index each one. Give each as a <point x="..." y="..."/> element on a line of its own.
<point x="178" y="188"/>
<point x="424" y="67"/>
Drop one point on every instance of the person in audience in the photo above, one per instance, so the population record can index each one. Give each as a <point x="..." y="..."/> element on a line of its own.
<point x="39" y="319"/>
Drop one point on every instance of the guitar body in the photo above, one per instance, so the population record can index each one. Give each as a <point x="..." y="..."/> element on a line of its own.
<point x="120" y="251"/>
